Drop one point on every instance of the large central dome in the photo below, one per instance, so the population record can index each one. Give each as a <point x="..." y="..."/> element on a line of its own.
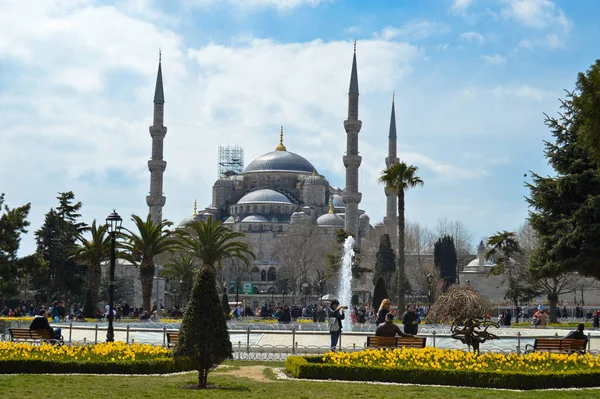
<point x="280" y="161"/>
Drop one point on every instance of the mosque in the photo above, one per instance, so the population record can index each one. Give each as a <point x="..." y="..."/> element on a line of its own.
<point x="281" y="193"/>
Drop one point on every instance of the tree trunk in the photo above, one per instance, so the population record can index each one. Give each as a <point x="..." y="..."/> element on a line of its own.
<point x="147" y="278"/>
<point x="401" y="282"/>
<point x="553" y="300"/>
<point x="94" y="278"/>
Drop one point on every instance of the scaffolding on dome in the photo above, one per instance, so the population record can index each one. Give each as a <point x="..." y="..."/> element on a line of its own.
<point x="231" y="160"/>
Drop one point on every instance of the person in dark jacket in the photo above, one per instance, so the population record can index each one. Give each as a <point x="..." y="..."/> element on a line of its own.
<point x="577" y="334"/>
<point x="335" y="315"/>
<point x="411" y="320"/>
<point x="40" y="322"/>
<point x="384" y="309"/>
<point x="389" y="329"/>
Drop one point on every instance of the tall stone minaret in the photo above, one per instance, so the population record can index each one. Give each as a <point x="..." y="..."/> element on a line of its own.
<point x="391" y="219"/>
<point x="352" y="160"/>
<point x="156" y="165"/>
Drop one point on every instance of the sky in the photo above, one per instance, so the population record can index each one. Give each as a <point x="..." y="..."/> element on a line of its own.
<point x="472" y="81"/>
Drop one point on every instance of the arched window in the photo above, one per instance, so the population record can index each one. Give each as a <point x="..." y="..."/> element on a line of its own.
<point x="263" y="275"/>
<point x="254" y="274"/>
<point x="272" y="274"/>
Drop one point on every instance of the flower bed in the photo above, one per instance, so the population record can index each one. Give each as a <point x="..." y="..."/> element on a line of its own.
<point x="452" y="367"/>
<point x="114" y="357"/>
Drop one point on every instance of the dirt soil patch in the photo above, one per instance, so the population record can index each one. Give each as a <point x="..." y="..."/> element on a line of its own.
<point x="252" y="372"/>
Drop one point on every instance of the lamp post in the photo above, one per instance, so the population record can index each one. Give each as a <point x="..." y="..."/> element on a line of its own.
<point x="429" y="292"/>
<point x="113" y="224"/>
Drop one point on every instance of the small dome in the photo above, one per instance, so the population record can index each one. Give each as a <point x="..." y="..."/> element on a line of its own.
<point x="330" y="220"/>
<point x="264" y="196"/>
<point x="255" y="219"/>
<point x="314" y="180"/>
<point x="187" y="220"/>
<point x="224" y="182"/>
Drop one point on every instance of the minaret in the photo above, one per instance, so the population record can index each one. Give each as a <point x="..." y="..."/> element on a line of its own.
<point x="352" y="160"/>
<point x="156" y="165"/>
<point x="391" y="219"/>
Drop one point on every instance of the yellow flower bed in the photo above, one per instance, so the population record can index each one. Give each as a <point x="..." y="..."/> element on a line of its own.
<point x="111" y="352"/>
<point x="451" y="359"/>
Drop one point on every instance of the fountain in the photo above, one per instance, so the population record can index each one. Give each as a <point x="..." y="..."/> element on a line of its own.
<point x="344" y="294"/>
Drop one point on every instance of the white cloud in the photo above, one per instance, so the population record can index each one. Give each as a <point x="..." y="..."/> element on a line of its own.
<point x="413" y="30"/>
<point x="473" y="37"/>
<point x="494" y="59"/>
<point x="539" y="14"/>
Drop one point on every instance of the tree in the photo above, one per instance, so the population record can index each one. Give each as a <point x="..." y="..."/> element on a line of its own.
<point x="203" y="336"/>
<point x="379" y="293"/>
<point x="398" y="178"/>
<point x="56" y="241"/>
<point x="462" y="241"/>
<point x="504" y="249"/>
<point x="150" y="240"/>
<point x="13" y="223"/>
<point x="385" y="263"/>
<point x="93" y="252"/>
<point x="182" y="270"/>
<point x="444" y="258"/>
<point x="566" y="206"/>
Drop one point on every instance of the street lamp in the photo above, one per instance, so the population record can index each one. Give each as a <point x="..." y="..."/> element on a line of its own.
<point x="429" y="283"/>
<point x="113" y="224"/>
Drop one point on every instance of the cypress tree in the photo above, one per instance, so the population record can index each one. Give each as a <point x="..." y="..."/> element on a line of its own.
<point x="444" y="257"/>
<point x="380" y="293"/>
<point x="203" y="336"/>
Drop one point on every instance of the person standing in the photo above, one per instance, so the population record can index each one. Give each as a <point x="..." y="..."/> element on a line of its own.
<point x="384" y="309"/>
<point x="411" y="320"/>
<point x="335" y="315"/>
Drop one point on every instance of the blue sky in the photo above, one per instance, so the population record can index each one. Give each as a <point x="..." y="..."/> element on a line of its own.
<point x="472" y="80"/>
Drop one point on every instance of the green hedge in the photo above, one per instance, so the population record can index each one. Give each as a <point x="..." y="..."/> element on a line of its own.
<point x="36" y="366"/>
<point x="312" y="367"/>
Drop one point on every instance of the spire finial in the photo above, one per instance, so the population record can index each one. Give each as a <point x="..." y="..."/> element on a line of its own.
<point x="195" y="209"/>
<point x="280" y="147"/>
<point x="331" y="204"/>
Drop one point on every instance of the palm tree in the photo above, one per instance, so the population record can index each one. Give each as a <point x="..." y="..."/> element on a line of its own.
<point x="93" y="252"/>
<point x="182" y="269"/>
<point x="398" y="178"/>
<point x="203" y="336"/>
<point x="151" y="239"/>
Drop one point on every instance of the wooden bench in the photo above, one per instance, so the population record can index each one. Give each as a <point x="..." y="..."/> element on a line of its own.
<point x="557" y="345"/>
<point x="25" y="334"/>
<point x="395" y="342"/>
<point x="172" y="339"/>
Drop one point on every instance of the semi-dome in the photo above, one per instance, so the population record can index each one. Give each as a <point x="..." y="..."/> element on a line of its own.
<point x="280" y="161"/>
<point x="330" y="220"/>
<point x="224" y="182"/>
<point x="265" y="196"/>
<point x="314" y="180"/>
<point x="254" y="219"/>
<point x="338" y="202"/>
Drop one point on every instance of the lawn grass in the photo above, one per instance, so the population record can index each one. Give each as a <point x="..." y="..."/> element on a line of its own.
<point x="231" y="386"/>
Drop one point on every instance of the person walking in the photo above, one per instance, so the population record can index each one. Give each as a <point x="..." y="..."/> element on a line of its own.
<point x="335" y="315"/>
<point x="384" y="309"/>
<point x="411" y="320"/>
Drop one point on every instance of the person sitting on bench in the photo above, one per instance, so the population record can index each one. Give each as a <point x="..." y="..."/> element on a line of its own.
<point x="389" y="329"/>
<point x="577" y="334"/>
<point x="40" y="322"/>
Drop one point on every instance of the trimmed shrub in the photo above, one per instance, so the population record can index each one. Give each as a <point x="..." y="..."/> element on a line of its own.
<point x="312" y="367"/>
